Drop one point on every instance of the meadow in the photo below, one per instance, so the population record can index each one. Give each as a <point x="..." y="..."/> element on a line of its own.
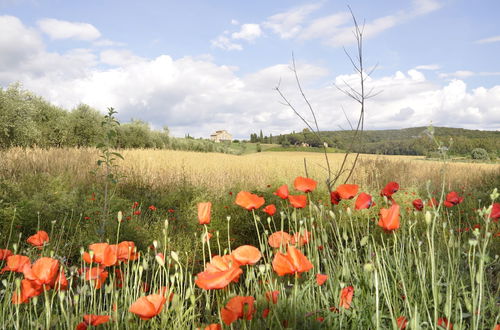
<point x="335" y="263"/>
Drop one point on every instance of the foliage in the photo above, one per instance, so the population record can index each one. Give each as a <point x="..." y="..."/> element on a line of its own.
<point x="479" y="153"/>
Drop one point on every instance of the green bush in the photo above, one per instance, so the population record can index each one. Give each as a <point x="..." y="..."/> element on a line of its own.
<point x="479" y="154"/>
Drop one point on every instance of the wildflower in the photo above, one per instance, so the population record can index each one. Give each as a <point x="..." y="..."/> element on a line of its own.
<point x="335" y="198"/>
<point x="135" y="205"/>
<point x="304" y="184"/>
<point x="452" y="199"/>
<point x="126" y="250"/>
<point x="432" y="203"/>
<point x="204" y="210"/>
<point x="171" y="210"/>
<point x="265" y="313"/>
<point x="4" y="253"/>
<point x="96" y="274"/>
<point x="279" y="238"/>
<point x="495" y="211"/>
<point x="152" y="207"/>
<point x="148" y="307"/>
<point x="270" y="209"/>
<point x="16" y="263"/>
<point x="418" y="204"/>
<point x="272" y="296"/>
<point x="347" y="191"/>
<point x="246" y="255"/>
<point x="29" y="289"/>
<point x="402" y="322"/>
<point x="293" y="262"/>
<point x="238" y="307"/>
<point x="103" y="253"/>
<point x="213" y="326"/>
<point x="301" y="238"/>
<point x="346" y="295"/>
<point x="44" y="271"/>
<point x="391" y="188"/>
<point x="444" y="323"/>
<point x="389" y="218"/>
<point x="364" y="201"/>
<point x="298" y="201"/>
<point x="248" y="200"/>
<point x="40" y="238"/>
<point x="138" y="212"/>
<point x="321" y="279"/>
<point x="93" y="320"/>
<point x="219" y="273"/>
<point x="282" y="192"/>
<point x="207" y="237"/>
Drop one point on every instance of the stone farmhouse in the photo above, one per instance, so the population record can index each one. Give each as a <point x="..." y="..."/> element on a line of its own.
<point x="220" y="136"/>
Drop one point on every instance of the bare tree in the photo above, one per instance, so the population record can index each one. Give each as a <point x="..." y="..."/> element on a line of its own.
<point x="359" y="94"/>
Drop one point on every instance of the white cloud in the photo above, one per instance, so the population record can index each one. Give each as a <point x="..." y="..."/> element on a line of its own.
<point x="58" y="29"/>
<point x="431" y="67"/>
<point x="462" y="74"/>
<point x="288" y="24"/>
<point x="107" y="43"/>
<point x="225" y="43"/>
<point x="119" y="57"/>
<point x="489" y="40"/>
<point x="248" y="32"/>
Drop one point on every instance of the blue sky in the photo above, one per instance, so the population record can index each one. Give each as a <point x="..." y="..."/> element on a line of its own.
<point x="198" y="66"/>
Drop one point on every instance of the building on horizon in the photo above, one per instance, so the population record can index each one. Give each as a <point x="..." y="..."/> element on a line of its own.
<point x="221" y="136"/>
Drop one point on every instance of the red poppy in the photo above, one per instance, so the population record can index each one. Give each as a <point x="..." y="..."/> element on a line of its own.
<point x="152" y="207"/>
<point x="495" y="211"/>
<point x="272" y="296"/>
<point x="96" y="274"/>
<point x="432" y="203"/>
<point x="4" y="253"/>
<point x="126" y="250"/>
<point x="321" y="278"/>
<point x="291" y="263"/>
<point x="347" y="191"/>
<point x="93" y="320"/>
<point x="138" y="212"/>
<point x="282" y="192"/>
<point x="249" y="201"/>
<point x="103" y="253"/>
<point x="148" y="307"/>
<point x="29" y="289"/>
<point x="402" y="322"/>
<point x="238" y="307"/>
<point x="44" y="271"/>
<point x="207" y="237"/>
<point x="364" y="201"/>
<point x="135" y="205"/>
<point x="391" y="188"/>
<point x="246" y="255"/>
<point x="204" y="210"/>
<point x="298" y="201"/>
<point x="452" y="199"/>
<point x="304" y="184"/>
<point x="444" y="323"/>
<point x="301" y="238"/>
<point x="265" y="313"/>
<point x="270" y="209"/>
<point x="418" y="204"/>
<point x="335" y="198"/>
<point x="40" y="238"/>
<point x="213" y="326"/>
<point x="346" y="295"/>
<point x="219" y="273"/>
<point x="17" y="263"/>
<point x="279" y="238"/>
<point x="389" y="218"/>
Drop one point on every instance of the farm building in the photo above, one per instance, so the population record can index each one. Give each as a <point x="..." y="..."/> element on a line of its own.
<point x="220" y="136"/>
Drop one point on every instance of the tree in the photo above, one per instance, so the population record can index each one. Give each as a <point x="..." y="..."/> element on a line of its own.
<point x="85" y="126"/>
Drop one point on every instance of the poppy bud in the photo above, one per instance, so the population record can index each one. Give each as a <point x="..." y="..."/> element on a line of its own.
<point x="428" y="218"/>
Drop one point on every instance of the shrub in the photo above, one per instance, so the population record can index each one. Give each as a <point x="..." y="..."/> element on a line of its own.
<point x="480" y="154"/>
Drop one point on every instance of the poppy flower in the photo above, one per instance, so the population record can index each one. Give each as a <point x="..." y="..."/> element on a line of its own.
<point x="321" y="278"/>
<point x="219" y="273"/>
<point x="204" y="210"/>
<point x="432" y="203"/>
<point x="16" y="263"/>
<point x="391" y="188"/>
<point x="301" y="238"/>
<point x="148" y="307"/>
<point x="93" y="320"/>
<point x="389" y="218"/>
<point x="126" y="250"/>
<point x="364" y="201"/>
<point x="282" y="192"/>
<point x="304" y="184"/>
<point x="418" y="204"/>
<point x="96" y="274"/>
<point x="270" y="209"/>
<point x="40" y="238"/>
<point x="207" y="237"/>
<point x="4" y="253"/>
<point x="335" y="198"/>
<point x="213" y="326"/>
<point x="152" y="207"/>
<point x="248" y="200"/>
<point x="103" y="253"/>
<point x="452" y="199"/>
<point x="347" y="191"/>
<point x="246" y="255"/>
<point x="495" y="211"/>
<point x="293" y="262"/>
<point x="44" y="271"/>
<point x="265" y="313"/>
<point x="346" y="295"/>
<point x="279" y="238"/>
<point x="272" y="296"/>
<point x="138" y="212"/>
<point x="298" y="201"/>
<point x="402" y="322"/>
<point x="29" y="289"/>
<point x="444" y="323"/>
<point x="238" y="307"/>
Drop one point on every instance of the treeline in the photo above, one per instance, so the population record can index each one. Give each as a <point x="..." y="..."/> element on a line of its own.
<point x="408" y="141"/>
<point x="27" y="120"/>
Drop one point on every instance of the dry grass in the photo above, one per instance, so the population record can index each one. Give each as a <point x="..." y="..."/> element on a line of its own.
<point x="221" y="171"/>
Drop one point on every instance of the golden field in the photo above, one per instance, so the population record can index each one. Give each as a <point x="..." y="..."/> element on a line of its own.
<point x="220" y="171"/>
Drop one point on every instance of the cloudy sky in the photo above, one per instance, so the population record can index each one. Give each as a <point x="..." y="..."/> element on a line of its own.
<point x="198" y="66"/>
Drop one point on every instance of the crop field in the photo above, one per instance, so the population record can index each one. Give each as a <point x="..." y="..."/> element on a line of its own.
<point x="182" y="240"/>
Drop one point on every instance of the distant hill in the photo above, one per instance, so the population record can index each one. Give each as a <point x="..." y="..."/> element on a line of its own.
<point x="407" y="141"/>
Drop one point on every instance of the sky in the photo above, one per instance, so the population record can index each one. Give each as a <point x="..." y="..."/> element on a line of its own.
<point x="201" y="66"/>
